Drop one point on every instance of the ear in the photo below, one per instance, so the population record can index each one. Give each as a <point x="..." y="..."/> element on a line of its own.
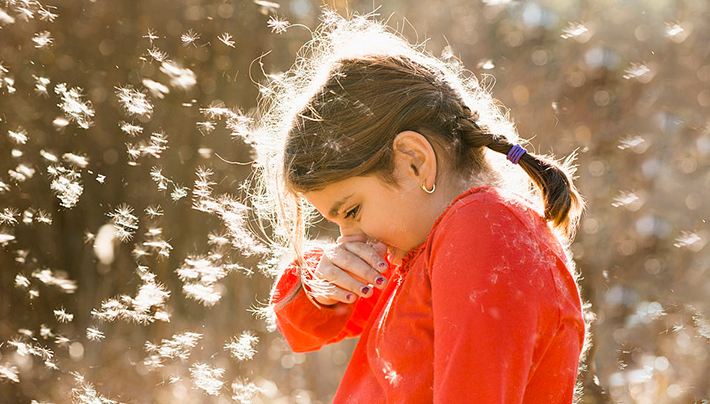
<point x="415" y="157"/>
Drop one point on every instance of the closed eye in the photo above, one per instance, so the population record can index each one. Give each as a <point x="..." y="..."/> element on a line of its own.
<point x="352" y="212"/>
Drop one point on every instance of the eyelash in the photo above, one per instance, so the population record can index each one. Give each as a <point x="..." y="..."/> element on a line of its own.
<point x="352" y="212"/>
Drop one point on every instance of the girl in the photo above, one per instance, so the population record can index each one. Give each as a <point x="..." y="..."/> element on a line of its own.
<point x="460" y="290"/>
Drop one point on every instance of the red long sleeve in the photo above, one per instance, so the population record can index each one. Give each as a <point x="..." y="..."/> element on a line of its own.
<point x="494" y="312"/>
<point x="308" y="326"/>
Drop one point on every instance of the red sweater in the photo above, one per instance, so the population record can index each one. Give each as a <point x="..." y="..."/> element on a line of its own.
<point x="484" y="311"/>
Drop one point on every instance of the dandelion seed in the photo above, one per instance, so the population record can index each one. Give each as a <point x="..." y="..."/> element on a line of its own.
<point x="42" y="39"/>
<point x="85" y="393"/>
<point x="19" y="136"/>
<point x="217" y="239"/>
<point x="278" y="25"/>
<point x="447" y="53"/>
<point x="156" y="174"/>
<point x="156" y="89"/>
<point x="576" y="31"/>
<point x="93" y="334"/>
<point x="639" y="72"/>
<point x="206" y="127"/>
<point x="133" y="151"/>
<point x="62" y="316"/>
<point x="702" y="326"/>
<point x="486" y="64"/>
<point x="50" y="278"/>
<point x="21" y="173"/>
<point x="267" y="6"/>
<point x="45" y="332"/>
<point x="100" y="178"/>
<point x="689" y="240"/>
<point x="49" y="156"/>
<point x="181" y="78"/>
<point x="207" y="378"/>
<point x="73" y="106"/>
<point x="158" y="144"/>
<point x="226" y="39"/>
<point x="239" y="125"/>
<point x="16" y="153"/>
<point x="51" y="365"/>
<point x="625" y="199"/>
<point x="157" y="55"/>
<point x="41" y="84"/>
<point x="89" y="237"/>
<point x="676" y="32"/>
<point x="46" y="15"/>
<point x="189" y="38"/>
<point x="244" y="392"/>
<point x="4" y="187"/>
<point x="9" y="216"/>
<point x="151" y="36"/>
<point x="216" y="110"/>
<point x="8" y="371"/>
<point x="150" y="294"/>
<point x="154" y="211"/>
<point x="636" y="143"/>
<point x="21" y="281"/>
<point x="61" y="341"/>
<point x="66" y="184"/>
<point x="27" y="216"/>
<point x="124" y="221"/>
<point x="134" y="102"/>
<point x="76" y="160"/>
<point x="179" y="346"/>
<point x="242" y="347"/>
<point x="60" y="123"/>
<point x="178" y="193"/>
<point x="5" y="18"/>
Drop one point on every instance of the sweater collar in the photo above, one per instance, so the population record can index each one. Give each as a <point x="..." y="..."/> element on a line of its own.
<point x="411" y="256"/>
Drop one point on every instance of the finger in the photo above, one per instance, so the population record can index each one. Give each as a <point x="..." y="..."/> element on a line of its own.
<point x="337" y="295"/>
<point x="381" y="249"/>
<point x="333" y="272"/>
<point x="371" y="256"/>
<point x="350" y="258"/>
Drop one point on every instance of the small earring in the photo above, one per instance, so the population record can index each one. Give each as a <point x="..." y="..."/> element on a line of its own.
<point x="433" y="188"/>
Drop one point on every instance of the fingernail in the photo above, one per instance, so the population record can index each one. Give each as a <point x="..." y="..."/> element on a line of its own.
<point x="364" y="290"/>
<point x="380" y="280"/>
<point x="382" y="265"/>
<point x="349" y="297"/>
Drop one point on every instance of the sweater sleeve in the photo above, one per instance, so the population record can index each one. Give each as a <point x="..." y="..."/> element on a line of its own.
<point x="488" y="284"/>
<point x="307" y="325"/>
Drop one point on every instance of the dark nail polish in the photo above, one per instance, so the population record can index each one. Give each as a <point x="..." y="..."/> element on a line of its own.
<point x="380" y="280"/>
<point x="365" y="290"/>
<point x="349" y="297"/>
<point x="382" y="265"/>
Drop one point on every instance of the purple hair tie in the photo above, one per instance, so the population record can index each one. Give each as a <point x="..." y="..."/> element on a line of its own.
<point x="515" y="153"/>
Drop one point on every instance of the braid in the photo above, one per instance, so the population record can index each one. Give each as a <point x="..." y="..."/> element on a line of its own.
<point x="563" y="204"/>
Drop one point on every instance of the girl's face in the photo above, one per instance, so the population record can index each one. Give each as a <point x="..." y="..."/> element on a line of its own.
<point x="398" y="216"/>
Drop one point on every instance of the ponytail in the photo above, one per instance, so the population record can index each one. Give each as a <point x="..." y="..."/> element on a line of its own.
<point x="563" y="204"/>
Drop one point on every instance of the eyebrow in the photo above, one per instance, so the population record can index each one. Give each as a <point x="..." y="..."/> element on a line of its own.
<point x="333" y="212"/>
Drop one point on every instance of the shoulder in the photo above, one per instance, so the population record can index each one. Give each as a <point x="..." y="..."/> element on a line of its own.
<point x="488" y="225"/>
<point x="487" y="208"/>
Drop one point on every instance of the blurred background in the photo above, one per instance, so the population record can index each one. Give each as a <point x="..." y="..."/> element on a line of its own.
<point x="125" y="153"/>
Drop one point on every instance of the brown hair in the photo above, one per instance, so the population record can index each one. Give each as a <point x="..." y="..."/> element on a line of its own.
<point x="348" y="127"/>
<point x="352" y="89"/>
